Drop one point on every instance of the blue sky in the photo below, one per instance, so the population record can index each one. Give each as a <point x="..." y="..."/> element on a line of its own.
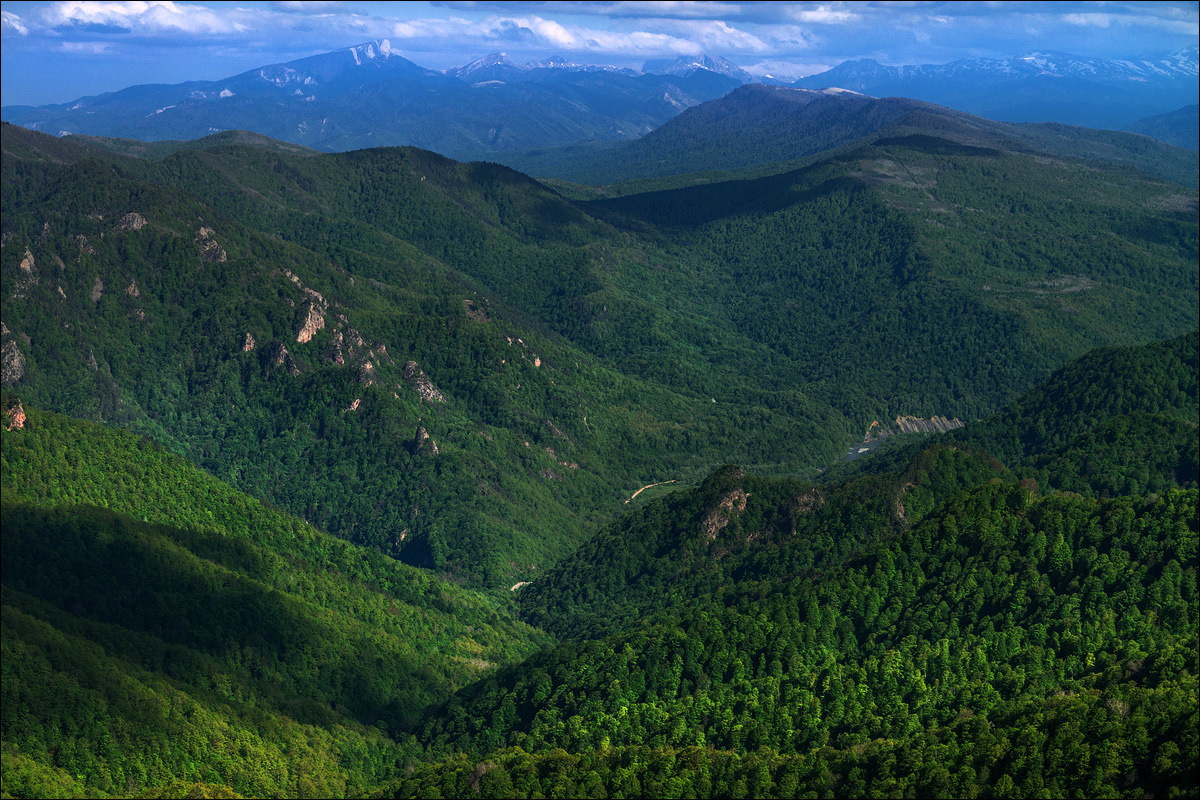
<point x="54" y="52"/>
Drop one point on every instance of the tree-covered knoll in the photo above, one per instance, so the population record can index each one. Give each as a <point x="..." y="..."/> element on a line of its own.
<point x="1116" y="421"/>
<point x="735" y="528"/>
<point x="1006" y="645"/>
<point x="1160" y="378"/>
<point x="161" y="626"/>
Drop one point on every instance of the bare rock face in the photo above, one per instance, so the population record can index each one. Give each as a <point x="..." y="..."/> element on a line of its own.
<point x="905" y="424"/>
<point x="731" y="505"/>
<point x="424" y="443"/>
<point x="132" y="221"/>
<point x="312" y="322"/>
<point x="85" y="247"/>
<point x="417" y="378"/>
<point x="366" y="374"/>
<point x="97" y="290"/>
<point x="476" y="312"/>
<point x="132" y="289"/>
<point x="209" y="249"/>
<point x="27" y="277"/>
<point x="808" y="502"/>
<point x="275" y="355"/>
<point x="14" y="416"/>
<point x="248" y="344"/>
<point x="12" y="363"/>
<point x="931" y="425"/>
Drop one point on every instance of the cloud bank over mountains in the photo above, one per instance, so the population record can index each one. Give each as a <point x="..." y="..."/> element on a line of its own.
<point x="61" y="50"/>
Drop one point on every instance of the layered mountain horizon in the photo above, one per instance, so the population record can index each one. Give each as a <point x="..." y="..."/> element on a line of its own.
<point x="369" y="95"/>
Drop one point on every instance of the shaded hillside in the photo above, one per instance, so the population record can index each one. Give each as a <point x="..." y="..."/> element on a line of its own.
<point x="873" y="257"/>
<point x="160" y="626"/>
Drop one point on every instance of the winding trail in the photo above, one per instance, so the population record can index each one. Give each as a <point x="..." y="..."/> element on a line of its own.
<point x="647" y="486"/>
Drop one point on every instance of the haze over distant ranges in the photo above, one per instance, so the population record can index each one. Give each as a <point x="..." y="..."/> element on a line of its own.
<point x="61" y="51"/>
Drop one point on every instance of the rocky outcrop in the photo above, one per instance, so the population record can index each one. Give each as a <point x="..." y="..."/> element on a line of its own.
<point x="14" y="416"/>
<point x="275" y="355"/>
<point x="423" y="443"/>
<point x="476" y="312"/>
<point x="731" y="505"/>
<point x="248" y="343"/>
<point x="807" y="502"/>
<point x="132" y="289"/>
<point x="132" y="221"/>
<point x="27" y="276"/>
<point x="931" y="425"/>
<point x="417" y="378"/>
<point x="85" y="247"/>
<point x="12" y="363"/>
<point x="366" y="374"/>
<point x="904" y="424"/>
<point x="312" y="320"/>
<point x="97" y="290"/>
<point x="209" y="249"/>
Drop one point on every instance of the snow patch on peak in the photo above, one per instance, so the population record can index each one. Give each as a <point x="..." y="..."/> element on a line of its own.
<point x="354" y="52"/>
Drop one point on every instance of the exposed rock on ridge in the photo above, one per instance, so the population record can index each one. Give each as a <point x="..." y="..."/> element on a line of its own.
<point x="905" y="424"/>
<point x="14" y="416"/>
<point x="209" y="249"/>
<point x="416" y="377"/>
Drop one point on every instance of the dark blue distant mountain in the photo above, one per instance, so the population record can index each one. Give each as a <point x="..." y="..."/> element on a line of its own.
<point x="1180" y="128"/>
<point x="1038" y="87"/>
<point x="370" y="96"/>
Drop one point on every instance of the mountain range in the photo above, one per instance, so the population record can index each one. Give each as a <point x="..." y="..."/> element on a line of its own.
<point x="375" y="473"/>
<point x="370" y="96"/>
<point x="1036" y="87"/>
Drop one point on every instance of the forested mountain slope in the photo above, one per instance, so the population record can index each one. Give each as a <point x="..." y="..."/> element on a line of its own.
<point x="973" y="638"/>
<point x="1006" y="645"/>
<point x="415" y="354"/>
<point x="1085" y="429"/>
<point x="311" y="371"/>
<point x="161" y="627"/>
<point x="1117" y="421"/>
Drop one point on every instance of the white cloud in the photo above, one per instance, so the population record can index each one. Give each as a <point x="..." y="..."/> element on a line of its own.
<point x="715" y="35"/>
<point x="786" y="70"/>
<point x="10" y="21"/>
<point x="154" y="17"/>
<point x="538" y="33"/>
<point x="1088" y="20"/>
<point x="826" y="15"/>
<point x="309" y="6"/>
<point x="84" y="48"/>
